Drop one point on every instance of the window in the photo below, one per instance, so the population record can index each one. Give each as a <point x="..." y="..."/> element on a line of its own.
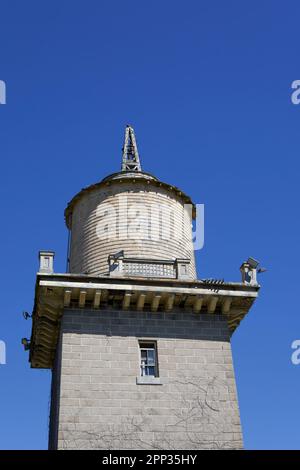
<point x="148" y="359"/>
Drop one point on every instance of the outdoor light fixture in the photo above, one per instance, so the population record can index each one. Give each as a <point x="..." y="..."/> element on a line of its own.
<point x="26" y="343"/>
<point x="252" y="262"/>
<point x="26" y="315"/>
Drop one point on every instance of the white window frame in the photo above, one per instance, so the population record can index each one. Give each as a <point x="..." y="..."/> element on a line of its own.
<point x="148" y="345"/>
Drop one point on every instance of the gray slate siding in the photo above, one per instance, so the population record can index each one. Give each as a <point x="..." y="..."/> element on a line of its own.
<point x="89" y="251"/>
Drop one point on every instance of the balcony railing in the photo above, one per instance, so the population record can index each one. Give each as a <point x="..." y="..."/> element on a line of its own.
<point x="119" y="266"/>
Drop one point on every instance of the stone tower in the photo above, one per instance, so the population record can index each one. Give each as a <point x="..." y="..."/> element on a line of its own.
<point x="139" y="348"/>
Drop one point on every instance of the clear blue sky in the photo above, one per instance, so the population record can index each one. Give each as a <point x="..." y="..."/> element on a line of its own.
<point x="206" y="84"/>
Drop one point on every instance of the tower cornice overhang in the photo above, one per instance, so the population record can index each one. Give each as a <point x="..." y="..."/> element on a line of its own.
<point x="56" y="292"/>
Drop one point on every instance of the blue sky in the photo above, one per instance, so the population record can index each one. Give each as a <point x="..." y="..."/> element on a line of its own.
<point x="207" y="86"/>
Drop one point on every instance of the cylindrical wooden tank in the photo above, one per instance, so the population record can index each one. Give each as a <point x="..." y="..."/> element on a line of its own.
<point x="132" y="212"/>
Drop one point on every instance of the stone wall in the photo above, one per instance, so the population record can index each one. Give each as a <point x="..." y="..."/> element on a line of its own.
<point x="101" y="405"/>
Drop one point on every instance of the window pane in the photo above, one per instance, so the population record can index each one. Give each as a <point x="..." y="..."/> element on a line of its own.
<point x="151" y="355"/>
<point x="148" y="359"/>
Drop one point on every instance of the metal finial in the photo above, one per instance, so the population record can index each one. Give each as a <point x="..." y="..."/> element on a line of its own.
<point x="131" y="159"/>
